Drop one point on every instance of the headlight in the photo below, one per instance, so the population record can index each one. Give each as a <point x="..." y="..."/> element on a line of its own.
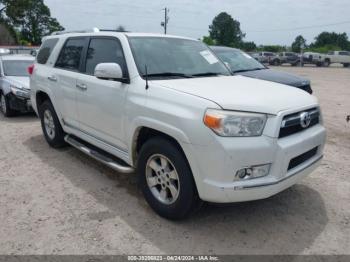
<point x="235" y="124"/>
<point x="20" y="91"/>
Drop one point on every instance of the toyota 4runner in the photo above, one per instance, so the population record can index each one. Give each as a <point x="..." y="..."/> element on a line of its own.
<point x="168" y="108"/>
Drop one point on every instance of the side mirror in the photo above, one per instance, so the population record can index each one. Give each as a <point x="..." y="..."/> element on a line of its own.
<point x="110" y="71"/>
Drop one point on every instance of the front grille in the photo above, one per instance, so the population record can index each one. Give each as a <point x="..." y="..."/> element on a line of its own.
<point x="296" y="161"/>
<point x="291" y="124"/>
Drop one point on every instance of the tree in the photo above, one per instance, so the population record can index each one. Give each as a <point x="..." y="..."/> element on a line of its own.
<point x="298" y="44"/>
<point x="332" y="39"/>
<point x="226" y="31"/>
<point x="272" y="48"/>
<point x="248" y="46"/>
<point x="32" y="18"/>
<point x="208" y="40"/>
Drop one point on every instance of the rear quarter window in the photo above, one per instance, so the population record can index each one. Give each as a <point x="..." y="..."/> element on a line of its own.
<point x="46" y="50"/>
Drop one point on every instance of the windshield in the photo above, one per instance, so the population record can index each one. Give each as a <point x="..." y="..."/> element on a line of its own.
<point x="174" y="57"/>
<point x="16" y="67"/>
<point x="238" y="60"/>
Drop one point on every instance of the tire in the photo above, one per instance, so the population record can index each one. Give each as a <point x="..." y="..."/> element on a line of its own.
<point x="276" y="62"/>
<point x="346" y="65"/>
<point x="326" y="63"/>
<point x="162" y="167"/>
<point x="5" y="106"/>
<point x="51" y="126"/>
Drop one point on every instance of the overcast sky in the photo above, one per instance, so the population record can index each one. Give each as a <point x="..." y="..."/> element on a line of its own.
<point x="263" y="21"/>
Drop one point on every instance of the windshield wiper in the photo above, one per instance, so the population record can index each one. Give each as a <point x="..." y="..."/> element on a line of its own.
<point x="207" y="74"/>
<point x="247" y="70"/>
<point x="168" y="74"/>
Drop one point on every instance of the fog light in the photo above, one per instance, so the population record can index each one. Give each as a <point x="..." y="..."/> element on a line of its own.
<point x="252" y="172"/>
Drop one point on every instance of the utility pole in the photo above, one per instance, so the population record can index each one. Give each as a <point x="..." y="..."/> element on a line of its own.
<point x="166" y="20"/>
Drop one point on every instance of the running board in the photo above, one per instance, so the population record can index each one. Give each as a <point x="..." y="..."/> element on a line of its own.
<point x="99" y="155"/>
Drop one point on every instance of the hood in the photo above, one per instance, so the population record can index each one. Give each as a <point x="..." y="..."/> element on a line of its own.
<point x="278" y="77"/>
<point x="243" y="93"/>
<point x="21" y="81"/>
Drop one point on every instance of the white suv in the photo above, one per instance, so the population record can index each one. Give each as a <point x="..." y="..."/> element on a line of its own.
<point x="167" y="107"/>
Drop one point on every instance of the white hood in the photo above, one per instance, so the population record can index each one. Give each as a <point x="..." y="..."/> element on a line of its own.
<point x="21" y="81"/>
<point x="243" y="93"/>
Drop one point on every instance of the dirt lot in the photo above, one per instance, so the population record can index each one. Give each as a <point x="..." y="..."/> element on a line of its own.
<point x="63" y="202"/>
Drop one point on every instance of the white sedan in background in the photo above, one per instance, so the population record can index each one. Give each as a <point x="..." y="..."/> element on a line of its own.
<point x="14" y="84"/>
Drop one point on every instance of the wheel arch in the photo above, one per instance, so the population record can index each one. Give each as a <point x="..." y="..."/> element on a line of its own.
<point x="143" y="133"/>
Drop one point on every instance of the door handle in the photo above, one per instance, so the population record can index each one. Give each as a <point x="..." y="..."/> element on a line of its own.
<point x="81" y="86"/>
<point x="52" y="78"/>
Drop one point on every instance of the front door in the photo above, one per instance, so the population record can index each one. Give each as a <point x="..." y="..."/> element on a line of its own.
<point x="101" y="102"/>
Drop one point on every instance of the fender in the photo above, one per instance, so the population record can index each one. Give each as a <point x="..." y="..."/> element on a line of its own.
<point x="140" y="122"/>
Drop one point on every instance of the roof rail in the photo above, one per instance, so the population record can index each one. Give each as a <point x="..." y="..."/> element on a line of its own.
<point x="93" y="30"/>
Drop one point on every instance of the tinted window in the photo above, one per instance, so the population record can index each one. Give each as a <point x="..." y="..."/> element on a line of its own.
<point x="344" y="53"/>
<point x="104" y="51"/>
<point x="45" y="50"/>
<point x="70" y="55"/>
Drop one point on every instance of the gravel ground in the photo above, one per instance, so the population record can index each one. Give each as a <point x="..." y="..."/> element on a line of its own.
<point x="63" y="202"/>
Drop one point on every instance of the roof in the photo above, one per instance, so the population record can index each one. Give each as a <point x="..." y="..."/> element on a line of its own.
<point x="113" y="33"/>
<point x="223" y="48"/>
<point x="18" y="57"/>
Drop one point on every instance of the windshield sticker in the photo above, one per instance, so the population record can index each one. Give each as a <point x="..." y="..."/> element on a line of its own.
<point x="211" y="59"/>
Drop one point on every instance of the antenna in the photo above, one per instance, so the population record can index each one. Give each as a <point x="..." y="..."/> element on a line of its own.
<point x="146" y="76"/>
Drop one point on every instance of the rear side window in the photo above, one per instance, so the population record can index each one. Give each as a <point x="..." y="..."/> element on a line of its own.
<point x="344" y="53"/>
<point x="71" y="54"/>
<point x="104" y="50"/>
<point x="45" y="50"/>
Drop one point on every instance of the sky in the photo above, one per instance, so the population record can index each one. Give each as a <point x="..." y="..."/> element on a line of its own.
<point x="263" y="21"/>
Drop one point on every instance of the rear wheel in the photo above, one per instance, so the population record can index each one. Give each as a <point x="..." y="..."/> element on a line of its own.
<point x="166" y="179"/>
<point x="5" y="106"/>
<point x="346" y="65"/>
<point x="51" y="126"/>
<point x="326" y="63"/>
<point x="276" y="62"/>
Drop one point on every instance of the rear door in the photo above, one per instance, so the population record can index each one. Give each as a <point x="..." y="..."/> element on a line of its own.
<point x="67" y="69"/>
<point x="101" y="102"/>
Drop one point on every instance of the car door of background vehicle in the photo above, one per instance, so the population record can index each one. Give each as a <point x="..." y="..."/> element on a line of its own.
<point x="67" y="69"/>
<point x="101" y="102"/>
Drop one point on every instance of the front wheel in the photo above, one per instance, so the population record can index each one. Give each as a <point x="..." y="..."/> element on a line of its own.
<point x="5" y="106"/>
<point x="51" y="126"/>
<point x="166" y="180"/>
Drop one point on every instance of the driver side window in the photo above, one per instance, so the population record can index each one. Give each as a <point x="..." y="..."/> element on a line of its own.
<point x="104" y="50"/>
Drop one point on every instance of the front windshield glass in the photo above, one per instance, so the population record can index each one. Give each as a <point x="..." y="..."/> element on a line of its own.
<point x="16" y="67"/>
<point x="175" y="57"/>
<point x="238" y="60"/>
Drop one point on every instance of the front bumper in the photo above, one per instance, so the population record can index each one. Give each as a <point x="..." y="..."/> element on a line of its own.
<point x="21" y="104"/>
<point x="218" y="166"/>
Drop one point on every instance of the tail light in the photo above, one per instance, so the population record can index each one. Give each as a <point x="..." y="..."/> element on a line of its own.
<point x="30" y="69"/>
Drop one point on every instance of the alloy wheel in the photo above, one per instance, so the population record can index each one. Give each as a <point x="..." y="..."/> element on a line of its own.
<point x="162" y="179"/>
<point x="49" y="124"/>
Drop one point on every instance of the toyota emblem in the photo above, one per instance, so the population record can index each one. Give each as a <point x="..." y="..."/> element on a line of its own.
<point x="305" y="119"/>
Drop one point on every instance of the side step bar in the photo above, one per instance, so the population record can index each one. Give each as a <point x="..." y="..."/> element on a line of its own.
<point x="98" y="155"/>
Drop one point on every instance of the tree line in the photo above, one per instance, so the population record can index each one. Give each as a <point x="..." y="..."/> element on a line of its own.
<point x="226" y="31"/>
<point x="27" y="20"/>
